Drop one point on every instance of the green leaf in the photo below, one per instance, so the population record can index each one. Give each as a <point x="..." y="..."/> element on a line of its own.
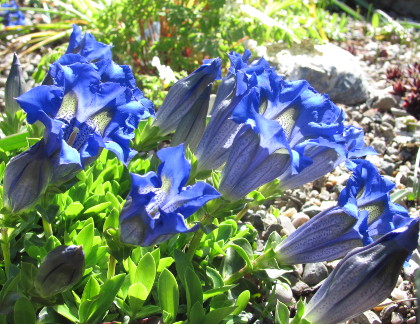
<point x="375" y="20"/>
<point x="146" y="271"/>
<point x="14" y="142"/>
<point x="217" y="315"/>
<point x="85" y="237"/>
<point x="98" y="208"/>
<point x="242" y="302"/>
<point x="65" y="311"/>
<point x="282" y="314"/>
<point x="92" y="289"/>
<point x="197" y="314"/>
<point x="215" y="277"/>
<point x="182" y="263"/>
<point x="96" y="308"/>
<point x="165" y="263"/>
<point x="137" y="294"/>
<point x="27" y="276"/>
<point x="216" y="291"/>
<point x="148" y="310"/>
<point x="74" y="209"/>
<point x="300" y="310"/>
<point x="24" y="311"/>
<point x="168" y="293"/>
<point x="193" y="289"/>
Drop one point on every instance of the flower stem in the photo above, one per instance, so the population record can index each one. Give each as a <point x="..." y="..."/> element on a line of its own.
<point x="241" y="214"/>
<point x="112" y="262"/>
<point x="47" y="228"/>
<point x="195" y="241"/>
<point x="259" y="263"/>
<point x="5" y="247"/>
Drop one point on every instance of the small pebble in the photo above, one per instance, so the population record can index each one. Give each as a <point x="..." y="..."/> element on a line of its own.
<point x="299" y="219"/>
<point x="314" y="273"/>
<point x="396" y="318"/>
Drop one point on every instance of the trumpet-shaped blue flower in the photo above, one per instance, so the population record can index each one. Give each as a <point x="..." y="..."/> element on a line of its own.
<point x="88" y="108"/>
<point x="295" y="128"/>
<point x="235" y="89"/>
<point x="158" y="204"/>
<point x="186" y="105"/>
<point x="13" y="17"/>
<point x="363" y="214"/>
<point x="364" y="278"/>
<point x="87" y="46"/>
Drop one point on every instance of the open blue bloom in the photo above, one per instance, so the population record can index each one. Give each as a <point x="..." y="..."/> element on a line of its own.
<point x="87" y="46"/>
<point x="158" y="204"/>
<point x="326" y="155"/>
<point x="296" y="128"/>
<point x="82" y="114"/>
<point x="363" y="214"/>
<point x="13" y="17"/>
<point x="235" y="89"/>
<point x="186" y="105"/>
<point x="364" y="278"/>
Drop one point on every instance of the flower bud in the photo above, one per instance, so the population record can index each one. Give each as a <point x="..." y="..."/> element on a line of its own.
<point x="60" y="270"/>
<point x="364" y="278"/>
<point x="26" y="178"/>
<point x="15" y="86"/>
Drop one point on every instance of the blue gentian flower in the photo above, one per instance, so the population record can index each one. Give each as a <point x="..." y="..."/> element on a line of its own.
<point x="326" y="155"/>
<point x="364" y="278"/>
<point x="12" y="17"/>
<point x="87" y="46"/>
<point x="235" y="89"/>
<point x="186" y="106"/>
<point x="88" y="108"/>
<point x="295" y="125"/>
<point x="363" y="214"/>
<point x="15" y="86"/>
<point x="158" y="203"/>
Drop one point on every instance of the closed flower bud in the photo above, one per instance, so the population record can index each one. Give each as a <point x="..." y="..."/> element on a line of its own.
<point x="15" y="86"/>
<point x="364" y="278"/>
<point x="60" y="270"/>
<point x="27" y="177"/>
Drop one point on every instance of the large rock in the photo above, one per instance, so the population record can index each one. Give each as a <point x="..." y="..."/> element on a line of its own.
<point x="329" y="69"/>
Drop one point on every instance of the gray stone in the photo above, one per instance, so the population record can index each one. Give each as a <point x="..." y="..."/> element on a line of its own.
<point x="269" y="219"/>
<point x="256" y="221"/>
<point x="329" y="69"/>
<point x="385" y="100"/>
<point x="312" y="210"/>
<point x="299" y="219"/>
<point x="396" y="318"/>
<point x="368" y="317"/>
<point x="299" y="288"/>
<point x="314" y="273"/>
<point x="379" y="145"/>
<point x="286" y="225"/>
<point x="272" y="228"/>
<point x="386" y="312"/>
<point x="283" y="293"/>
<point x="412" y="320"/>
<point x="387" y="167"/>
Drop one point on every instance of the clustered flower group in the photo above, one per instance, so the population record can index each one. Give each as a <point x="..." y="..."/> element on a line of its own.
<point x="262" y="128"/>
<point x="13" y="16"/>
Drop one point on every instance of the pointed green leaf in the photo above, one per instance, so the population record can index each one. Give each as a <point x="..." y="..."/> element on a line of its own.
<point x="165" y="263"/>
<point x="197" y="314"/>
<point x="146" y="271"/>
<point x="92" y="289"/>
<point x="24" y="311"/>
<point x="218" y="315"/>
<point x="193" y="289"/>
<point x="137" y="294"/>
<point x="282" y="314"/>
<point x="242" y="302"/>
<point x="168" y="293"/>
